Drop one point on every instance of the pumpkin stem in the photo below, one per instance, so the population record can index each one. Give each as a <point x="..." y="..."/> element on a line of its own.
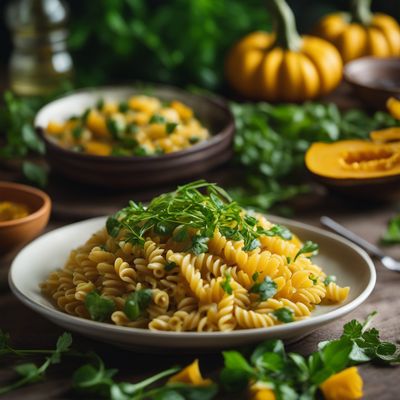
<point x="361" y="11"/>
<point x="287" y="36"/>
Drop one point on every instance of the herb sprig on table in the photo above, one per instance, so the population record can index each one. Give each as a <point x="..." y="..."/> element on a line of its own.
<point x="289" y="376"/>
<point x="187" y="209"/>
<point x="392" y="234"/>
<point x="271" y="140"/>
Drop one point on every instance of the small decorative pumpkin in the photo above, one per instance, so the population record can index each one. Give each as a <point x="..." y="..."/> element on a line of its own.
<point x="283" y="66"/>
<point x="360" y="32"/>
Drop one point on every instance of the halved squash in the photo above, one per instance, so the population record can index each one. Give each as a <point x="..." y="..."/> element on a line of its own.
<point x="389" y="135"/>
<point x="353" y="159"/>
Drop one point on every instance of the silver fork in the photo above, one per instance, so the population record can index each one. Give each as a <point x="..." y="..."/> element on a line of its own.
<point x="388" y="262"/>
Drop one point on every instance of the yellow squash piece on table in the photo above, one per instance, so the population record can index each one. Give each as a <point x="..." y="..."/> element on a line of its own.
<point x="283" y="66"/>
<point x="388" y="135"/>
<point x="191" y="375"/>
<point x="393" y="106"/>
<point x="263" y="394"/>
<point x="361" y="33"/>
<point x="353" y="159"/>
<point x="345" y="385"/>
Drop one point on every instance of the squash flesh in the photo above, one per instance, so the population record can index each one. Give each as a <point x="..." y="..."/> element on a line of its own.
<point x="353" y="159"/>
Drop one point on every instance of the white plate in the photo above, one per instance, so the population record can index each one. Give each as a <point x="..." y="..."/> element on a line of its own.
<point x="337" y="256"/>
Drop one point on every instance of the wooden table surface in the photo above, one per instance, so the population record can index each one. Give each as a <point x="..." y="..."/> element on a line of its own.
<point x="29" y="330"/>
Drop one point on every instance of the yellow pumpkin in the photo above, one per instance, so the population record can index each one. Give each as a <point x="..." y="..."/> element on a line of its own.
<point x="283" y="66"/>
<point x="393" y="106"/>
<point x="360" y="32"/>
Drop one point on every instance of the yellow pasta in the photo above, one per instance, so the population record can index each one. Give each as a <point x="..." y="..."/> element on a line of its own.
<point x="162" y="283"/>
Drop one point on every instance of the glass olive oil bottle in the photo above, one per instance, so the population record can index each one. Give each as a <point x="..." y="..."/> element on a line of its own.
<point x="40" y="61"/>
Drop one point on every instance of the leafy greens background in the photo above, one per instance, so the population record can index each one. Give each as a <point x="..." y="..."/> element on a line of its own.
<point x="176" y="41"/>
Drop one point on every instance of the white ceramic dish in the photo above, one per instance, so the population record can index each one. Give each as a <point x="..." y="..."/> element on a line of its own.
<point x="337" y="256"/>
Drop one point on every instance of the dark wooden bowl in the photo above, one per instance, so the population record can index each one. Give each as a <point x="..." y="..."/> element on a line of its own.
<point x="374" y="80"/>
<point x="131" y="172"/>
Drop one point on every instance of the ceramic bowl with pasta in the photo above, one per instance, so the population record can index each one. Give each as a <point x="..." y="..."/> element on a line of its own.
<point x="124" y="137"/>
<point x="193" y="260"/>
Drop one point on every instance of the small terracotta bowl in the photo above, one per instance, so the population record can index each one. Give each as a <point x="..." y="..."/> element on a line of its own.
<point x="374" y="80"/>
<point x="133" y="171"/>
<point x="17" y="232"/>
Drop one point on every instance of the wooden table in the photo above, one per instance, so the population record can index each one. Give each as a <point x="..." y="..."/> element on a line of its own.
<point x="29" y="330"/>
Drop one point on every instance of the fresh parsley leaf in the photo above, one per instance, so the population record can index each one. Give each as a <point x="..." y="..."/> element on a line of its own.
<point x="136" y="303"/>
<point x="226" y="285"/>
<point x="31" y="139"/>
<point x="284" y="314"/>
<point x="255" y="276"/>
<point x="100" y="104"/>
<point x="170" y="266"/>
<point x="308" y="247"/>
<point x="157" y="119"/>
<point x="269" y="346"/>
<point x="99" y="308"/>
<point x="265" y="289"/>
<point x="132" y="128"/>
<point x="329" y="279"/>
<point x="181" y="235"/>
<point x="113" y="226"/>
<point x="279" y="230"/>
<point x="251" y="244"/>
<point x="77" y="132"/>
<point x="194" y="139"/>
<point x="236" y="372"/>
<point x="199" y="244"/>
<point x="35" y="173"/>
<point x="313" y="278"/>
<point x="170" y="127"/>
<point x="123" y="107"/>
<point x="392" y="234"/>
<point x="288" y="260"/>
<point x="116" y="127"/>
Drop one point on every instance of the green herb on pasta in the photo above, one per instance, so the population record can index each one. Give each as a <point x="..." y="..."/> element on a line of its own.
<point x="99" y="308"/>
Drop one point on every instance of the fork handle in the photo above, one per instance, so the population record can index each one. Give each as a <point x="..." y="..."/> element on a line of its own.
<point x="341" y="230"/>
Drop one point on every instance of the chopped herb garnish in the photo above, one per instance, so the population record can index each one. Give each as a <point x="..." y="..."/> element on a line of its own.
<point x="192" y="210"/>
<point x="136" y="303"/>
<point x="157" y="119"/>
<point x="255" y="276"/>
<point x="99" y="308"/>
<point x="284" y="314"/>
<point x="194" y="139"/>
<point x="100" y="104"/>
<point x="288" y="260"/>
<point x="140" y="151"/>
<point x="77" y="132"/>
<point x="265" y="289"/>
<point x="85" y="115"/>
<point x="226" y="284"/>
<point x="279" y="230"/>
<point x="116" y="127"/>
<point x="313" y="278"/>
<point x="132" y="128"/>
<point x="123" y="106"/>
<point x="308" y="247"/>
<point x="170" y="127"/>
<point x="170" y="266"/>
<point x="392" y="234"/>
<point x="329" y="279"/>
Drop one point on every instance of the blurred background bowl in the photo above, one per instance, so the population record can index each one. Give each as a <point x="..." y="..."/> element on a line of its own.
<point x="130" y="172"/>
<point x="17" y="232"/>
<point x="374" y="80"/>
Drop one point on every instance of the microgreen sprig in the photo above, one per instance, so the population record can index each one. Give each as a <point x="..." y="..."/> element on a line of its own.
<point x="186" y="210"/>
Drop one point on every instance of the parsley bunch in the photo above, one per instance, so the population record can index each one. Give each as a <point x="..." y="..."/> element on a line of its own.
<point x="188" y="209"/>
<point x="293" y="376"/>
